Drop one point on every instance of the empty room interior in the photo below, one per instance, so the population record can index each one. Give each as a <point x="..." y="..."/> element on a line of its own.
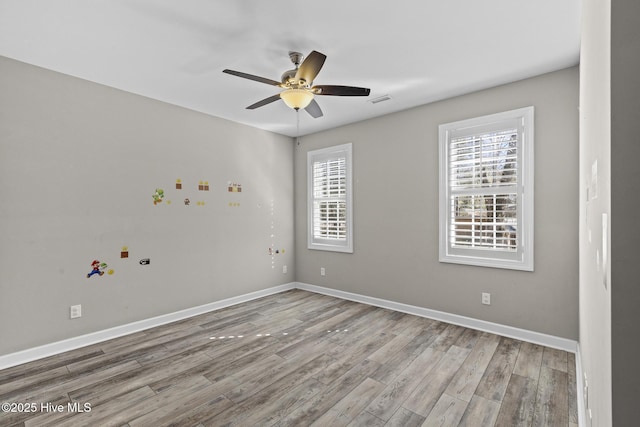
<point x="291" y="214"/>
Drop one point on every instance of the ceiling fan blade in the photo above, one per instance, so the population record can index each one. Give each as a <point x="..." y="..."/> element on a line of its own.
<point x="265" y="101"/>
<point x="340" y="90"/>
<point x="252" y="77"/>
<point x="310" y="67"/>
<point x="314" y="109"/>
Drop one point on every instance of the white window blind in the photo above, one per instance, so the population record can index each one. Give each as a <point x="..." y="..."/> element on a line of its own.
<point x="329" y="199"/>
<point x="483" y="183"/>
<point x="329" y="202"/>
<point x="486" y="190"/>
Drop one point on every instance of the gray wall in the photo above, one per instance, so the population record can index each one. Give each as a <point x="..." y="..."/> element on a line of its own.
<point x="79" y="163"/>
<point x="395" y="166"/>
<point x="625" y="208"/>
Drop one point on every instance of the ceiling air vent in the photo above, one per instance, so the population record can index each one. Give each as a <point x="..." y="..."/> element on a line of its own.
<point x="380" y="99"/>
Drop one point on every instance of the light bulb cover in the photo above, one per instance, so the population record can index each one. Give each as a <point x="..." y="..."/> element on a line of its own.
<point x="296" y="98"/>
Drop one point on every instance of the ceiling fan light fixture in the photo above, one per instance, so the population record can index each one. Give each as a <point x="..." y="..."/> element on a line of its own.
<point x="296" y="98"/>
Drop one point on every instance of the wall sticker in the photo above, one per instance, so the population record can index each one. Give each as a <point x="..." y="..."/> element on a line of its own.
<point x="158" y="196"/>
<point x="98" y="268"/>
<point x="232" y="187"/>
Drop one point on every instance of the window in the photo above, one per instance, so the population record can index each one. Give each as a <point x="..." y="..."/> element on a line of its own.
<point x="329" y="204"/>
<point x="486" y="190"/>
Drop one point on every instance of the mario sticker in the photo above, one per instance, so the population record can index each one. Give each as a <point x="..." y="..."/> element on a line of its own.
<point x="98" y="268"/>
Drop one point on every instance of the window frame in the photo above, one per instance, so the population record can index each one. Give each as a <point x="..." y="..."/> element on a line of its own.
<point x="317" y="243"/>
<point x="522" y="258"/>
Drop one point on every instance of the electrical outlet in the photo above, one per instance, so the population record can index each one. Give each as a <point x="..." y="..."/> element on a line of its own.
<point x="486" y="298"/>
<point x="75" y="311"/>
<point x="284" y="269"/>
<point x="322" y="271"/>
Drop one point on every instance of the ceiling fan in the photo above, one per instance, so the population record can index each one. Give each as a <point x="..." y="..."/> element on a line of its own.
<point x="297" y="84"/>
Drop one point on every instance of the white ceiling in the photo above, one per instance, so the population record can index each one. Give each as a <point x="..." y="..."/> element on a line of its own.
<point x="415" y="51"/>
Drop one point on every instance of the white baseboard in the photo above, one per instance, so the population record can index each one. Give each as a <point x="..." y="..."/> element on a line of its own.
<point x="468" y="322"/>
<point x="47" y="350"/>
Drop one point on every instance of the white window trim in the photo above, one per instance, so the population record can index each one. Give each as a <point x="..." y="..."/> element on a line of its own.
<point x="483" y="257"/>
<point x="344" y="150"/>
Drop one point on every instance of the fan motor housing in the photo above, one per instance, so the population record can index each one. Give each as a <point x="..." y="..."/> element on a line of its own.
<point x="288" y="77"/>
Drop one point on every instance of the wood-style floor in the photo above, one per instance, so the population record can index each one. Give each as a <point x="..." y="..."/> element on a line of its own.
<point x="298" y="359"/>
